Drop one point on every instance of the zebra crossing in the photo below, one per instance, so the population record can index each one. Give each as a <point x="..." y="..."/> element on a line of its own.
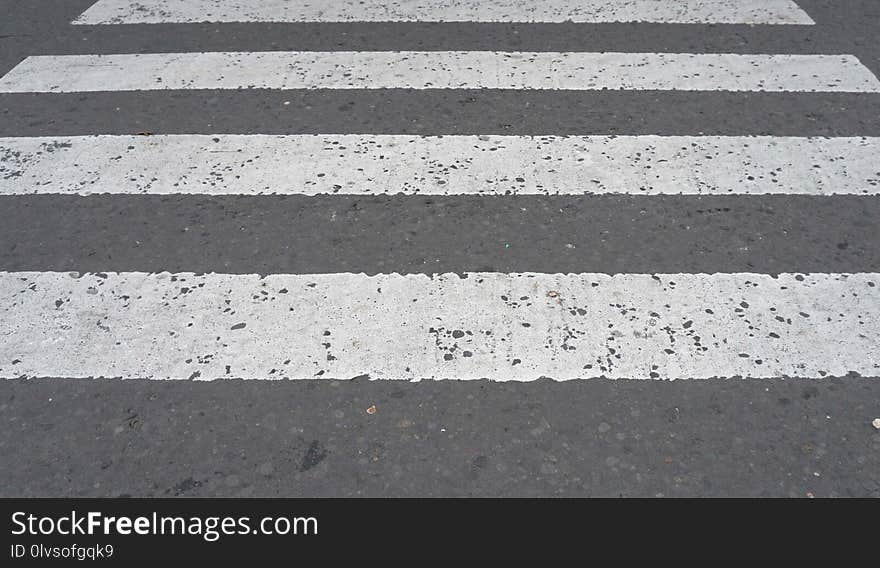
<point x="687" y="11"/>
<point x="496" y="326"/>
<point x="516" y="325"/>
<point x="253" y="164"/>
<point x="443" y="70"/>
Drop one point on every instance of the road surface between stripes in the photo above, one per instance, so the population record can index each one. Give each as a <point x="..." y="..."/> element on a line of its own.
<point x="482" y="325"/>
<point x="678" y="11"/>
<point x="440" y="70"/>
<point x="438" y="165"/>
<point x="442" y="112"/>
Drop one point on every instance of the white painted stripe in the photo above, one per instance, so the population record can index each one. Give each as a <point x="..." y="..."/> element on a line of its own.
<point x="438" y="165"/>
<point x="664" y="11"/>
<point x="497" y="326"/>
<point x="440" y="70"/>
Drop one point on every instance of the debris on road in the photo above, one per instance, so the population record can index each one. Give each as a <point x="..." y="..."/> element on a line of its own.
<point x="372" y="409"/>
<point x="876" y="423"/>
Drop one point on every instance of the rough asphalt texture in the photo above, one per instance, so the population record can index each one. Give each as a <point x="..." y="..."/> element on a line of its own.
<point x="308" y="438"/>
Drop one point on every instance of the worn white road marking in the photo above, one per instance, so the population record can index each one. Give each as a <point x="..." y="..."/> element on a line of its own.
<point x="492" y="325"/>
<point x="677" y="11"/>
<point x="438" y="165"/>
<point x="440" y="70"/>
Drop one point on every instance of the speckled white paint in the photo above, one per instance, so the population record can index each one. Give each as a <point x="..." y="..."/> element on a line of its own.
<point x="438" y="165"/>
<point x="492" y="325"/>
<point x="666" y="11"/>
<point x="440" y="70"/>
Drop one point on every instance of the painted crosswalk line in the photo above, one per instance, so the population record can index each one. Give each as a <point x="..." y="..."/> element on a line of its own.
<point x="479" y="325"/>
<point x="679" y="11"/>
<point x="440" y="70"/>
<point x="438" y="165"/>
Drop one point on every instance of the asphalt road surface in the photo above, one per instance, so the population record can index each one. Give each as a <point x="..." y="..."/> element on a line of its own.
<point x="500" y="248"/>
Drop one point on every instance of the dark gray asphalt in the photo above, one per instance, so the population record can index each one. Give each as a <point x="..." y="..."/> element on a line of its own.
<point x="95" y="437"/>
<point x="311" y="438"/>
<point x="434" y="112"/>
<point x="297" y="234"/>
